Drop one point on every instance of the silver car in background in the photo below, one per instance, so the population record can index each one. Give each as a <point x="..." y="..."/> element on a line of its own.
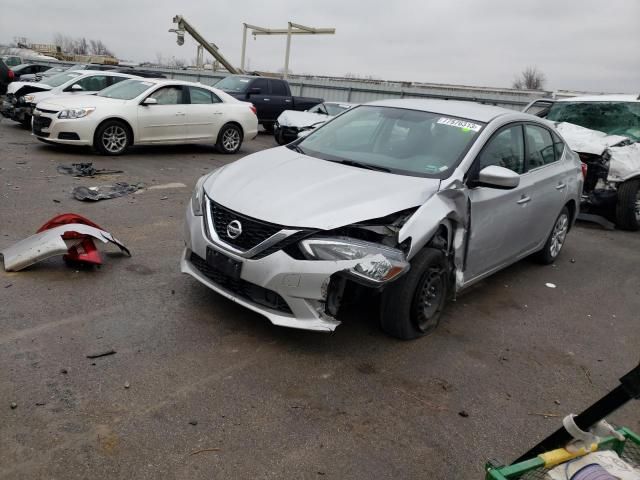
<point x="414" y="199"/>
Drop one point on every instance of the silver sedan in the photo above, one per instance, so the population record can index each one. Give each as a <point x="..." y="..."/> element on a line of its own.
<point x="413" y="200"/>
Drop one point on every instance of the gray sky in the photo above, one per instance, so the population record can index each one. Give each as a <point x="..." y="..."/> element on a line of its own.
<point x="579" y="44"/>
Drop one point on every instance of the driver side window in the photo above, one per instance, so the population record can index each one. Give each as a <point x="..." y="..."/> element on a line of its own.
<point x="168" y="95"/>
<point x="505" y="149"/>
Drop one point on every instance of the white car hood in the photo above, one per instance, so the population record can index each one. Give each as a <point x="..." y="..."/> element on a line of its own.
<point x="291" y="118"/>
<point x="15" y="86"/>
<point x="287" y="188"/>
<point x="57" y="102"/>
<point x="624" y="161"/>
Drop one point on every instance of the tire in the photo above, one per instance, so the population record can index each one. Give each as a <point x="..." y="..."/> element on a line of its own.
<point x="229" y="139"/>
<point x="628" y="206"/>
<point x="279" y="136"/>
<point x="268" y="127"/>
<point x="26" y="122"/>
<point x="403" y="313"/>
<point x="113" y="137"/>
<point x="555" y="241"/>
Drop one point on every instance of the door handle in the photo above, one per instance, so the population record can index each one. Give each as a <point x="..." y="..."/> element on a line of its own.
<point x="560" y="186"/>
<point x="288" y="101"/>
<point x="523" y="200"/>
<point x="180" y="114"/>
<point x="266" y="99"/>
<point x="217" y="113"/>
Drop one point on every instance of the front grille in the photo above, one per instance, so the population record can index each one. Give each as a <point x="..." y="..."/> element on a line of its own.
<point x="39" y="123"/>
<point x="68" y="136"/>
<point x="254" y="232"/>
<point x="261" y="296"/>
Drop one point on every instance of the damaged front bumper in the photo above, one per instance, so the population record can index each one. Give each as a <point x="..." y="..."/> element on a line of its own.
<point x="290" y="292"/>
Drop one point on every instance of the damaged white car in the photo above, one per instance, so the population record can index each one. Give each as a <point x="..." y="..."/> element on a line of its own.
<point x="414" y="199"/>
<point x="291" y="122"/>
<point x="605" y="131"/>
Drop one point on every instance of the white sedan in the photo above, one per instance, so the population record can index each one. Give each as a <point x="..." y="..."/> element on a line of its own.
<point x="147" y="111"/>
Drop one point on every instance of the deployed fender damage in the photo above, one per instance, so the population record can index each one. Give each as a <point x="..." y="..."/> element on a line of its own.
<point x="68" y="234"/>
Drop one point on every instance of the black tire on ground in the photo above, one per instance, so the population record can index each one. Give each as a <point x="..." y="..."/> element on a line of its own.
<point x="268" y="127"/>
<point x="555" y="241"/>
<point x="628" y="206"/>
<point x="113" y="137"/>
<point x="229" y="139"/>
<point x="411" y="306"/>
<point x="279" y="136"/>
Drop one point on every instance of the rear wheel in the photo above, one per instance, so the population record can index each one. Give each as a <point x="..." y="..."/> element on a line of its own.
<point x="112" y="138"/>
<point x="628" y="206"/>
<point x="555" y="241"/>
<point x="411" y="306"/>
<point x="229" y="139"/>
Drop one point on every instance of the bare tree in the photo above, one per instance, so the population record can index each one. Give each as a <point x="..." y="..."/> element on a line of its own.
<point x="159" y="59"/>
<point x="65" y="42"/>
<point x="80" y="46"/>
<point x="530" y="79"/>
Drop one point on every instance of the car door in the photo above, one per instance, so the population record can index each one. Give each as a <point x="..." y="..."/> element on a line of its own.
<point x="164" y="121"/>
<point x="262" y="99"/>
<point x="280" y="101"/>
<point x="548" y="176"/>
<point x="500" y="223"/>
<point x="205" y="114"/>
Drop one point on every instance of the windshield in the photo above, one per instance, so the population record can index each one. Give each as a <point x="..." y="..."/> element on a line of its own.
<point x="58" y="80"/>
<point x="613" y="118"/>
<point x="233" y="84"/>
<point x="334" y="109"/>
<point x="408" y="142"/>
<point x="126" y="90"/>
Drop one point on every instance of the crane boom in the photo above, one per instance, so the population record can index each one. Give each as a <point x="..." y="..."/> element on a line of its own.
<point x="183" y="26"/>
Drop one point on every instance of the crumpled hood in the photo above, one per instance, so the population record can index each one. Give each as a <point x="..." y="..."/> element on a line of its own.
<point x="285" y="187"/>
<point x="291" y="118"/>
<point x="623" y="153"/>
<point x="13" y="87"/>
<point x="60" y="101"/>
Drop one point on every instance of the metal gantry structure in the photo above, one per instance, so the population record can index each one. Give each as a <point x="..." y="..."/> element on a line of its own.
<point x="292" y="29"/>
<point x="183" y="26"/>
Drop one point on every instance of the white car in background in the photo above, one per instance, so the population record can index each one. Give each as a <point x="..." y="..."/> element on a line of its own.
<point x="147" y="111"/>
<point x="291" y="122"/>
<point x="22" y="97"/>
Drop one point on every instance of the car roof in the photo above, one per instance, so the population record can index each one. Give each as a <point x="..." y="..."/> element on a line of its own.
<point x="102" y="72"/>
<point x="603" y="98"/>
<point x="469" y="110"/>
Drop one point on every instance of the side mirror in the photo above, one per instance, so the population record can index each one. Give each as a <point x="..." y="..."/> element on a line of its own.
<point x="494" y="176"/>
<point x="255" y="91"/>
<point x="150" y="101"/>
<point x="76" y="88"/>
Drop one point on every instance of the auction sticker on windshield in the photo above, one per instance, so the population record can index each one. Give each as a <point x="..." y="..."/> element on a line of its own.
<point x="452" y="122"/>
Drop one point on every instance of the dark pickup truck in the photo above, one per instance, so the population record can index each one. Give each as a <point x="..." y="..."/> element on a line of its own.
<point x="271" y="96"/>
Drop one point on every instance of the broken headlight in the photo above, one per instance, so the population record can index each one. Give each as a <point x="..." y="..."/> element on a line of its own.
<point x="75" y="112"/>
<point x="370" y="261"/>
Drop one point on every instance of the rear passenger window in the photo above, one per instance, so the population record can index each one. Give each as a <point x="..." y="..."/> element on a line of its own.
<point x="202" y="96"/>
<point x="278" y="88"/>
<point x="540" y="148"/>
<point x="558" y="145"/>
<point x="506" y="149"/>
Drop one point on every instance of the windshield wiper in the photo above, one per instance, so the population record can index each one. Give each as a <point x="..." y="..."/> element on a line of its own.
<point x="295" y="148"/>
<point x="366" y="166"/>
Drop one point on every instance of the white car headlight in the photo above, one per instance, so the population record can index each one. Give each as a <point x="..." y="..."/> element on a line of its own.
<point x="29" y="98"/>
<point x="371" y="261"/>
<point x="76" y="112"/>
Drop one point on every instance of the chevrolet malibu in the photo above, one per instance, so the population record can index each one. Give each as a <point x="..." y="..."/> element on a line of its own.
<point x="414" y="200"/>
<point x="146" y="111"/>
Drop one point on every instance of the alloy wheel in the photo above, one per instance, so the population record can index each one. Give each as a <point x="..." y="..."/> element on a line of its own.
<point x="114" y="139"/>
<point x="559" y="234"/>
<point x="230" y="139"/>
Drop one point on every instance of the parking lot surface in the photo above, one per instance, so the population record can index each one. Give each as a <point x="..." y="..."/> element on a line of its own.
<point x="200" y="388"/>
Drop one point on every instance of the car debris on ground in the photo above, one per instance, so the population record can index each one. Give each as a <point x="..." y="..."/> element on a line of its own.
<point x="85" y="169"/>
<point x="69" y="234"/>
<point x="105" y="192"/>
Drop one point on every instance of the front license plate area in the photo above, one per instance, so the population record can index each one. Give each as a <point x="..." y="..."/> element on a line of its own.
<point x="225" y="265"/>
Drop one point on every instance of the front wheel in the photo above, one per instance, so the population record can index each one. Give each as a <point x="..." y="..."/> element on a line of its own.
<point x="556" y="239"/>
<point x="112" y="138"/>
<point x="229" y="139"/>
<point x="411" y="306"/>
<point x="628" y="206"/>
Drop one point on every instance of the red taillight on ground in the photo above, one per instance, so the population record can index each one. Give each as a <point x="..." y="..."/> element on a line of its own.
<point x="253" y="109"/>
<point x="584" y="170"/>
<point x="12" y="75"/>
